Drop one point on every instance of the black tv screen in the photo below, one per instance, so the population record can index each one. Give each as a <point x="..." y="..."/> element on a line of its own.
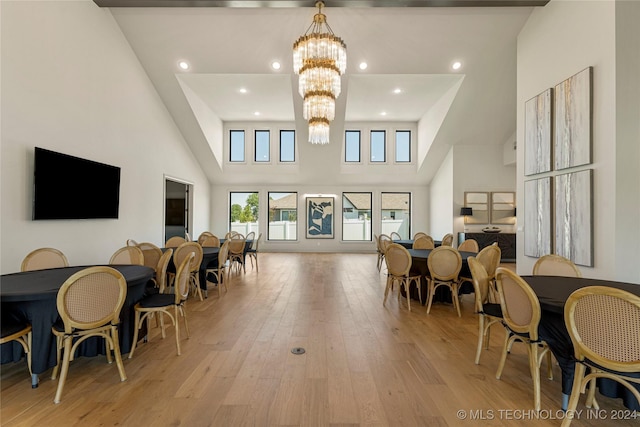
<point x="68" y="187"/>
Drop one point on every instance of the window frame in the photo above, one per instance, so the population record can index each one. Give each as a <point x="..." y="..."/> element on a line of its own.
<point x="370" y="228"/>
<point x="280" y="145"/>
<point x="297" y="210"/>
<point x="244" y="145"/>
<point x="395" y="211"/>
<point x="229" y="213"/>
<point x="346" y="139"/>
<point x="398" y="131"/>
<point x="255" y="145"/>
<point x="384" y="145"/>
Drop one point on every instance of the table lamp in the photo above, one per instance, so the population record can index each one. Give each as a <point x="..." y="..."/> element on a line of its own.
<point x="465" y="212"/>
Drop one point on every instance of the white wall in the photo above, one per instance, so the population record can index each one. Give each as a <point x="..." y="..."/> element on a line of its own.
<point x="441" y="204"/>
<point x="71" y="83"/>
<point x="480" y="168"/>
<point x="558" y="41"/>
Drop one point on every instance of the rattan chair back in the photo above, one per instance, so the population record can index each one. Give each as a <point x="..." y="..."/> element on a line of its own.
<point x="174" y="242"/>
<point x="151" y="254"/>
<point x="210" y="242"/>
<point x="469" y="245"/>
<point x="447" y="240"/>
<point x="161" y="270"/>
<point x="420" y="233"/>
<point x="385" y="241"/>
<point x="203" y="236"/>
<point x="183" y="251"/>
<point x="444" y="263"/>
<point x="398" y="260"/>
<point x="423" y="242"/>
<point x="480" y="280"/>
<point x="395" y="236"/>
<point x="519" y="303"/>
<point x="44" y="258"/>
<point x="131" y="255"/>
<point x="489" y="257"/>
<point x="555" y="265"/>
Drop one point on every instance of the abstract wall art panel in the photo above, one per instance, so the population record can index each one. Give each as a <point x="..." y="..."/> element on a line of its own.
<point x="537" y="217"/>
<point x="572" y="124"/>
<point x="537" y="133"/>
<point x="479" y="202"/>
<point x="320" y="217"/>
<point x="573" y="213"/>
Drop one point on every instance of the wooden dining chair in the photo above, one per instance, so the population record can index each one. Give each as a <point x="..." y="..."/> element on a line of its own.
<point x="151" y="254"/>
<point x="252" y="252"/>
<point x="420" y="233"/>
<point x="488" y="313"/>
<point x="469" y="245"/>
<point x="89" y="304"/>
<point x="383" y="243"/>
<point x="604" y="326"/>
<point x="43" y="258"/>
<point x="174" y="242"/>
<point x="130" y="255"/>
<point x="395" y="236"/>
<point x="555" y="265"/>
<point x="204" y="235"/>
<point x="221" y="271"/>
<point x="444" y="265"/>
<point x="20" y="332"/>
<point x="521" y="316"/>
<point x="490" y="257"/>
<point x="161" y="304"/>
<point x="423" y="242"/>
<point x="183" y="251"/>
<point x="447" y="240"/>
<point x="236" y="253"/>
<point x="399" y="262"/>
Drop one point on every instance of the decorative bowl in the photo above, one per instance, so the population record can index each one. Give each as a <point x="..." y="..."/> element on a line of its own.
<point x="491" y="230"/>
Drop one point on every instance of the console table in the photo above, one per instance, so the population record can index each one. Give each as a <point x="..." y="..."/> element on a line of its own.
<point x="506" y="242"/>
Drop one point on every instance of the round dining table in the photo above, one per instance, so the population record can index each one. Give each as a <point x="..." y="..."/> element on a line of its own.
<point x="552" y="292"/>
<point x="31" y="296"/>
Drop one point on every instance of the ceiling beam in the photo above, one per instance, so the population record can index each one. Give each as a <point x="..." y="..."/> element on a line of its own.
<point x="328" y="3"/>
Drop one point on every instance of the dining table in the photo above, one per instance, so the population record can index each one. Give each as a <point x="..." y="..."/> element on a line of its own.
<point x="31" y="296"/>
<point x="419" y="267"/>
<point x="408" y="243"/>
<point x="552" y="292"/>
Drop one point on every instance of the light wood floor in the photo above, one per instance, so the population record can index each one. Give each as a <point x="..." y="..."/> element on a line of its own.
<point x="365" y="364"/>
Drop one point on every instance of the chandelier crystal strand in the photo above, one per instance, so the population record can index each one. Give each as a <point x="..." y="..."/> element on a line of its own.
<point x="319" y="58"/>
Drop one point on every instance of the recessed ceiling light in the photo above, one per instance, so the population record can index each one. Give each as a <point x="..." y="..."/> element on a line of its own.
<point x="243" y="90"/>
<point x="184" y="65"/>
<point x="257" y="113"/>
<point x="275" y="65"/>
<point x="384" y="113"/>
<point x="397" y="90"/>
<point x="456" y="65"/>
<point x="363" y="65"/>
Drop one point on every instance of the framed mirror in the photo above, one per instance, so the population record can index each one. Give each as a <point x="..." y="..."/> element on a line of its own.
<point x="479" y="202"/>
<point x="503" y="206"/>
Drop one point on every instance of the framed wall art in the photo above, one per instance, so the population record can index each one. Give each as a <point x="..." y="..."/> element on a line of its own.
<point x="572" y="123"/>
<point x="320" y="217"/>
<point x="479" y="202"/>
<point x="503" y="205"/>
<point x="537" y="133"/>
<point x="537" y="217"/>
<point x="573" y="213"/>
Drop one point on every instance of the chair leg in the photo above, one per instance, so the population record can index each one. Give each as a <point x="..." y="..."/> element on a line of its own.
<point x="481" y="336"/>
<point x="116" y="353"/>
<point x="575" y="394"/>
<point x="136" y="328"/>
<point x="67" y="342"/>
<point x="534" y="367"/>
<point x="56" y="368"/>
<point x="503" y="356"/>
<point x="454" y="298"/>
<point x="386" y="290"/>
<point x="177" y="328"/>
<point x="184" y="316"/>
<point x="407" y="287"/>
<point x="431" y="288"/>
<point x="196" y="281"/>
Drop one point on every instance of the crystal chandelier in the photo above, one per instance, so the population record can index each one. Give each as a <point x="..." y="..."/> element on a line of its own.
<point x="319" y="58"/>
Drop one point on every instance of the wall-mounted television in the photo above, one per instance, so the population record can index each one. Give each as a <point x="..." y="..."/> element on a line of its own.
<point x="68" y="187"/>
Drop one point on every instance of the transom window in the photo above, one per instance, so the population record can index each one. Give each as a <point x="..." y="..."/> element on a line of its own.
<point x="403" y="146"/>
<point x="236" y="146"/>
<point x="378" y="146"/>
<point x="287" y="146"/>
<point x="352" y="146"/>
<point x="262" y="146"/>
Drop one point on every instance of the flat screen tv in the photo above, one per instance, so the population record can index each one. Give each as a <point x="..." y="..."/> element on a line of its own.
<point x="68" y="187"/>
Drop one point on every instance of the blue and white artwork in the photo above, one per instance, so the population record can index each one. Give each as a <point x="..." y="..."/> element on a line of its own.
<point x="320" y="217"/>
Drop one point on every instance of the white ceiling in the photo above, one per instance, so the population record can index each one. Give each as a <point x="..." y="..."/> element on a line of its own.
<point x="411" y="48"/>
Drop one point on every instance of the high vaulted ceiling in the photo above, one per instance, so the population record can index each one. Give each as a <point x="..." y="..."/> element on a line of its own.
<point x="410" y="48"/>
